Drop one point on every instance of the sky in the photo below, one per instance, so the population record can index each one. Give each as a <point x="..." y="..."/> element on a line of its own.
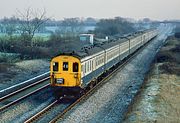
<point x="59" y="9"/>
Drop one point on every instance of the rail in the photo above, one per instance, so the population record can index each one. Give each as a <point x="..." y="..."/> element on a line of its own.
<point x="22" y="90"/>
<point x="43" y="111"/>
<point x="23" y="84"/>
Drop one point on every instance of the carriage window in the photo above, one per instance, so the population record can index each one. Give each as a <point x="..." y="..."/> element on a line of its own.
<point x="75" y="67"/>
<point x="55" y="66"/>
<point x="83" y="69"/>
<point x="65" y="66"/>
<point x="89" y="65"/>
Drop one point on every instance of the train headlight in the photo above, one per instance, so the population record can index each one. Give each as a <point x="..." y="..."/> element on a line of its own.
<point x="81" y="81"/>
<point x="76" y="75"/>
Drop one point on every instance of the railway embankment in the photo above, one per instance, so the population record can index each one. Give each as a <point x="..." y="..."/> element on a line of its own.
<point x="159" y="99"/>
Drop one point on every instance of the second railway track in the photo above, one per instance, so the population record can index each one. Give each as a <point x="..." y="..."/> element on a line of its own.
<point x="20" y="94"/>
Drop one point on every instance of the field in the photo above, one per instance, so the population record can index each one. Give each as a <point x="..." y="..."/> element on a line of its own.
<point x="159" y="97"/>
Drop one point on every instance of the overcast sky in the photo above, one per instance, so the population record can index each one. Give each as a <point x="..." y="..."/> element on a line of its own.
<point x="59" y="9"/>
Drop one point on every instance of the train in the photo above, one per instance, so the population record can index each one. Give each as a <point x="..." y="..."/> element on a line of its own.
<point x="75" y="71"/>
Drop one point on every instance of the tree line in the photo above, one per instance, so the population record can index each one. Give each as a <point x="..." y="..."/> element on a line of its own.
<point x="66" y="37"/>
<point x="115" y="26"/>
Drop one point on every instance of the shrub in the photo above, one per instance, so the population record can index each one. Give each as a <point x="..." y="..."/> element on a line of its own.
<point x="170" y="68"/>
<point x="177" y="34"/>
<point x="165" y="56"/>
<point x="37" y="48"/>
<point x="3" y="68"/>
<point x="9" y="57"/>
<point x="176" y="49"/>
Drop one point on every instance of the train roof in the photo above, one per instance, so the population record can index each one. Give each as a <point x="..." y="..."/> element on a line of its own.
<point x="93" y="49"/>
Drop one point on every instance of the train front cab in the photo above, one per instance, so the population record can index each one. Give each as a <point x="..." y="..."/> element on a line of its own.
<point x="65" y="71"/>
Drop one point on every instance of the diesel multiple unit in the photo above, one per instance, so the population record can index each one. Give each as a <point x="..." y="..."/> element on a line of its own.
<point x="81" y="69"/>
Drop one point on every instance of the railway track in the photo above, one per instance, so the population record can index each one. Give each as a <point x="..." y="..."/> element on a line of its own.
<point x="57" y="105"/>
<point x="20" y="94"/>
<point x="102" y="81"/>
<point x="42" y="112"/>
<point x="83" y="97"/>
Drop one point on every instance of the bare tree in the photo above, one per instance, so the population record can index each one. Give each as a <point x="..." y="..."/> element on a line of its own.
<point x="31" y="21"/>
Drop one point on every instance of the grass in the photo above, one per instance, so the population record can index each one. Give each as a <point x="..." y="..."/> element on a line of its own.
<point x="9" y="57"/>
<point x="168" y="107"/>
<point x="168" y="104"/>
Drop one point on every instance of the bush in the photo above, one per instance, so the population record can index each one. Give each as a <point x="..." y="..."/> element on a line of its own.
<point x="37" y="48"/>
<point x="177" y="35"/>
<point x="9" y="57"/>
<point x="3" y="68"/>
<point x="170" y="68"/>
<point x="165" y="56"/>
<point x="176" y="49"/>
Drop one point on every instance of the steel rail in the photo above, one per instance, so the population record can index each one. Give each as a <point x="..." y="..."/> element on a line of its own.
<point x="46" y="74"/>
<point x="43" y="111"/>
<point x="22" y="89"/>
<point x="21" y="98"/>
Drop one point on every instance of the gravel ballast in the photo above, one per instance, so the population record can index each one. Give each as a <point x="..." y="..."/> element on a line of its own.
<point x="27" y="107"/>
<point x="111" y="101"/>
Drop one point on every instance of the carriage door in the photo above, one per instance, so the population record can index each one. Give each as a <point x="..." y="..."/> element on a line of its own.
<point x="75" y="67"/>
<point x="144" y="39"/>
<point x="75" y="71"/>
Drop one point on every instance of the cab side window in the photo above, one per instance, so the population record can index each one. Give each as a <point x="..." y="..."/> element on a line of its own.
<point x="55" y="66"/>
<point x="75" y="67"/>
<point x="65" y="66"/>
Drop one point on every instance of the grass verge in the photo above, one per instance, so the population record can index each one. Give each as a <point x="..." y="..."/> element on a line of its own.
<point x="159" y="97"/>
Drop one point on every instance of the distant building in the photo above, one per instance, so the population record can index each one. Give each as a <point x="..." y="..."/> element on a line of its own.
<point x="87" y="38"/>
